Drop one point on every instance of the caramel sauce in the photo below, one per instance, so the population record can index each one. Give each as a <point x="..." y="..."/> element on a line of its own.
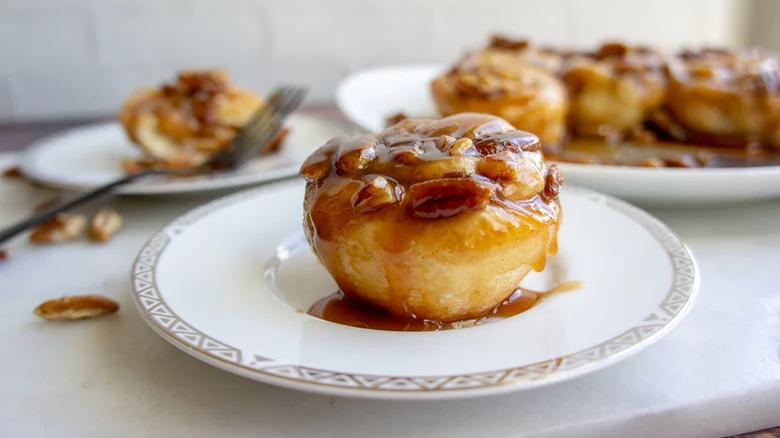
<point x="339" y="309"/>
<point x="662" y="153"/>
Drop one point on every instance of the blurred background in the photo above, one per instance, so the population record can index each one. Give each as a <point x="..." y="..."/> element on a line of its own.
<point x="70" y="59"/>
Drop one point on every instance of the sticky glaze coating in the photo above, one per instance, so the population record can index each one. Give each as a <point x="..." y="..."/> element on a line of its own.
<point x="432" y="219"/>
<point x="613" y="90"/>
<point x="725" y="97"/>
<point x="619" y="93"/>
<point x="505" y="84"/>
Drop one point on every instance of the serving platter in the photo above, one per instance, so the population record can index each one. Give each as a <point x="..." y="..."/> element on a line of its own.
<point x="369" y="97"/>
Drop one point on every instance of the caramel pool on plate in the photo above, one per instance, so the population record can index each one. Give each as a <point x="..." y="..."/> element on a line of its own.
<point x="341" y="310"/>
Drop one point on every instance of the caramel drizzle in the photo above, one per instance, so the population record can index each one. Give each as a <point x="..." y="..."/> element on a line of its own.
<point x="339" y="309"/>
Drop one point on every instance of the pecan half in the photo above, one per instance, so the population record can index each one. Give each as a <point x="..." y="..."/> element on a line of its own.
<point x="76" y="307"/>
<point x="105" y="224"/>
<point x="355" y="154"/>
<point x="61" y="228"/>
<point x="379" y="192"/>
<point x="443" y="142"/>
<point x="611" y="49"/>
<point x="499" y="166"/>
<point x="12" y="173"/>
<point x="461" y="147"/>
<point x="552" y="182"/>
<point x="407" y="154"/>
<point x="136" y="166"/>
<point x="651" y="162"/>
<point x="395" y="118"/>
<point x="686" y="160"/>
<point x="194" y="82"/>
<point x="447" y="197"/>
<point x="317" y="166"/>
<point x="502" y="42"/>
<point x="513" y="141"/>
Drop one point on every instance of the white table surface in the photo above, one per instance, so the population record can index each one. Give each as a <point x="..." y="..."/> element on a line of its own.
<point x="717" y="374"/>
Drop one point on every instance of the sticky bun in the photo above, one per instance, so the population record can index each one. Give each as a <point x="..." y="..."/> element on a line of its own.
<point x="619" y="94"/>
<point x="500" y="82"/>
<point x="184" y="123"/>
<point x="433" y="219"/>
<point x="724" y="97"/>
<point x="613" y="90"/>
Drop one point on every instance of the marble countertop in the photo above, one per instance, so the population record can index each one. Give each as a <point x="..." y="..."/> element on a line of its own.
<point x="717" y="374"/>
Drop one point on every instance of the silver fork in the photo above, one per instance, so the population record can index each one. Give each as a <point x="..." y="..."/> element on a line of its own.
<point x="255" y="136"/>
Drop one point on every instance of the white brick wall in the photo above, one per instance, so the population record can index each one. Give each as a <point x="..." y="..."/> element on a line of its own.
<point x="75" y="58"/>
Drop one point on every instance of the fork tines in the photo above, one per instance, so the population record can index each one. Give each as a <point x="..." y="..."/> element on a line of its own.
<point x="258" y="133"/>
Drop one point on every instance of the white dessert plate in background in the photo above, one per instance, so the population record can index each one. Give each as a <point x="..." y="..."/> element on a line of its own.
<point x="228" y="281"/>
<point x="368" y="97"/>
<point x="90" y="156"/>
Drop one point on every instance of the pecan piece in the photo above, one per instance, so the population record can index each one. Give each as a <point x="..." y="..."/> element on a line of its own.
<point x="443" y="142"/>
<point x="395" y="118"/>
<point x="447" y="197"/>
<point x="12" y="173"/>
<point x="502" y="42"/>
<point x="317" y="166"/>
<point x="651" y="162"/>
<point x="61" y="228"/>
<point x="355" y="154"/>
<point x="685" y="160"/>
<point x="379" y="192"/>
<point x="461" y="147"/>
<point x="552" y="182"/>
<point x="513" y="141"/>
<point x="3" y="255"/>
<point x="76" y="307"/>
<point x="406" y="155"/>
<point x="199" y="82"/>
<point x="105" y="224"/>
<point x="611" y="49"/>
<point x="499" y="166"/>
<point x="136" y="166"/>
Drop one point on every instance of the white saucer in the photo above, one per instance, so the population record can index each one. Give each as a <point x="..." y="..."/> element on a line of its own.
<point x="368" y="97"/>
<point x="92" y="155"/>
<point x="226" y="283"/>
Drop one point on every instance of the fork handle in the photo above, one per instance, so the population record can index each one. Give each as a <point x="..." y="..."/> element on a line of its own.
<point x="73" y="202"/>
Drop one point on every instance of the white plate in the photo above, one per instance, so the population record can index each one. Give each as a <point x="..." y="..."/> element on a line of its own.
<point x="224" y="281"/>
<point x="92" y="155"/>
<point x="368" y="97"/>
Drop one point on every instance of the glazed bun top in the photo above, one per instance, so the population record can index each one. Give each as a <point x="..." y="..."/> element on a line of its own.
<point x="494" y="74"/>
<point x="618" y="60"/>
<point x="435" y="168"/>
<point x="733" y="71"/>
